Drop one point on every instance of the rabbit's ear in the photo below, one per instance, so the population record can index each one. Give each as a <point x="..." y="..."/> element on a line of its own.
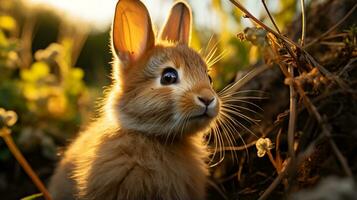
<point x="178" y="24"/>
<point x="132" y="33"/>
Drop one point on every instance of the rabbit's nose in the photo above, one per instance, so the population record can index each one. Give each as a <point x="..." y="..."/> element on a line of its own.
<point x="206" y="97"/>
<point x="206" y="101"/>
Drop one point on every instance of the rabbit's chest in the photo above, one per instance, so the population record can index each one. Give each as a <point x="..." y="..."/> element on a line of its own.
<point x="166" y="175"/>
<point x="137" y="168"/>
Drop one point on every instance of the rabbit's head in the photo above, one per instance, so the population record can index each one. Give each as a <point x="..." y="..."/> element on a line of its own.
<point x="162" y="87"/>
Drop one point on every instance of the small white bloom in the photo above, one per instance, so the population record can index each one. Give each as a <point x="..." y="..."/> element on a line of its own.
<point x="10" y="118"/>
<point x="7" y="118"/>
<point x="263" y="145"/>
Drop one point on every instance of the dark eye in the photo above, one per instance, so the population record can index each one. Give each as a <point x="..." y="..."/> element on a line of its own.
<point x="210" y="79"/>
<point x="169" y="76"/>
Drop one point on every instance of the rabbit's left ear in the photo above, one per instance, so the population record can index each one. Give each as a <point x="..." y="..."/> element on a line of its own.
<point x="132" y="33"/>
<point x="178" y="25"/>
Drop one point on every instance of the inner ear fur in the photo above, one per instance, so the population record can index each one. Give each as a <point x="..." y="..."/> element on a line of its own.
<point x="132" y="33"/>
<point x="178" y="25"/>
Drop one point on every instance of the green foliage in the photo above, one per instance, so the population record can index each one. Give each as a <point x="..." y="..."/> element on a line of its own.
<point x="32" y="197"/>
<point x="351" y="40"/>
<point x="286" y="13"/>
<point x="47" y="95"/>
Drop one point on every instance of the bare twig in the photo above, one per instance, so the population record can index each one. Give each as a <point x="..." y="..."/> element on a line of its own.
<point x="260" y="23"/>
<point x="326" y="73"/>
<point x="337" y="35"/>
<point x="325" y="130"/>
<point x="26" y="38"/>
<point x="78" y="38"/>
<point x="303" y="23"/>
<point x="272" y="160"/>
<point x="341" y="44"/>
<point x="270" y="16"/>
<point x="290" y="45"/>
<point x="218" y="189"/>
<point x="292" y="116"/>
<point x="277" y="150"/>
<point x="6" y="135"/>
<point x="348" y="66"/>
<point x="274" y="184"/>
<point x="289" y="41"/>
<point x="332" y="28"/>
<point x="289" y="168"/>
<point x="240" y="169"/>
<point x="277" y="29"/>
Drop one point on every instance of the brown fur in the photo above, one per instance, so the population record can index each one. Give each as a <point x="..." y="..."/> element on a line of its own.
<point x="148" y="143"/>
<point x="107" y="163"/>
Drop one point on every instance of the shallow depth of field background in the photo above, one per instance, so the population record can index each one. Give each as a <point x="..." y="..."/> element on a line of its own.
<point x="55" y="63"/>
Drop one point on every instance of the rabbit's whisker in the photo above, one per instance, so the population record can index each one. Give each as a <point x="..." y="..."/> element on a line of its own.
<point x="228" y="119"/>
<point x="236" y="112"/>
<point x="232" y="106"/>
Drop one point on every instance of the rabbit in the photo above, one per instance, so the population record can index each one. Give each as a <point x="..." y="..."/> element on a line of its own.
<point x="148" y="142"/>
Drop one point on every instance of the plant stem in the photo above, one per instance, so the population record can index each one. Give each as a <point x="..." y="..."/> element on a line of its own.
<point x="270" y="16"/>
<point x="271" y="158"/>
<point x="325" y="130"/>
<point x="6" y="135"/>
<point x="288" y="170"/>
<point x="292" y="116"/>
<point x="287" y="40"/>
<point x="260" y="23"/>
<point x="276" y="182"/>
<point x="303" y="23"/>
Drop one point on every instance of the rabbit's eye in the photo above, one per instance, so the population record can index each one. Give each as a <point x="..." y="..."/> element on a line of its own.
<point x="210" y="79"/>
<point x="169" y="76"/>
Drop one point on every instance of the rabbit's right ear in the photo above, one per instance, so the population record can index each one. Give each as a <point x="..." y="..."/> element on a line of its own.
<point x="132" y="33"/>
<point x="178" y="25"/>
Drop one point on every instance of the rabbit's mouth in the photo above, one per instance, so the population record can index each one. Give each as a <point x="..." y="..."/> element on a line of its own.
<point x="198" y="123"/>
<point x="203" y="117"/>
<point x="207" y="113"/>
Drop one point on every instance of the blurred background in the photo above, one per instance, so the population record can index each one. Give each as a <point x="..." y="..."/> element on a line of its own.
<point x="55" y="63"/>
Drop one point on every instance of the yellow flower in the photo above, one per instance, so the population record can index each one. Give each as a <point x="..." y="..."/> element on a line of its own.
<point x="38" y="70"/>
<point x="57" y="104"/>
<point x="7" y="23"/>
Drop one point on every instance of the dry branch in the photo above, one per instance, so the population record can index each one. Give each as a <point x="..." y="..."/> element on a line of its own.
<point x="6" y="135"/>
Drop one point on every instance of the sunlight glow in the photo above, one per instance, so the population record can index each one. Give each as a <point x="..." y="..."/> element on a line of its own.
<point x="99" y="13"/>
<point x="94" y="12"/>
